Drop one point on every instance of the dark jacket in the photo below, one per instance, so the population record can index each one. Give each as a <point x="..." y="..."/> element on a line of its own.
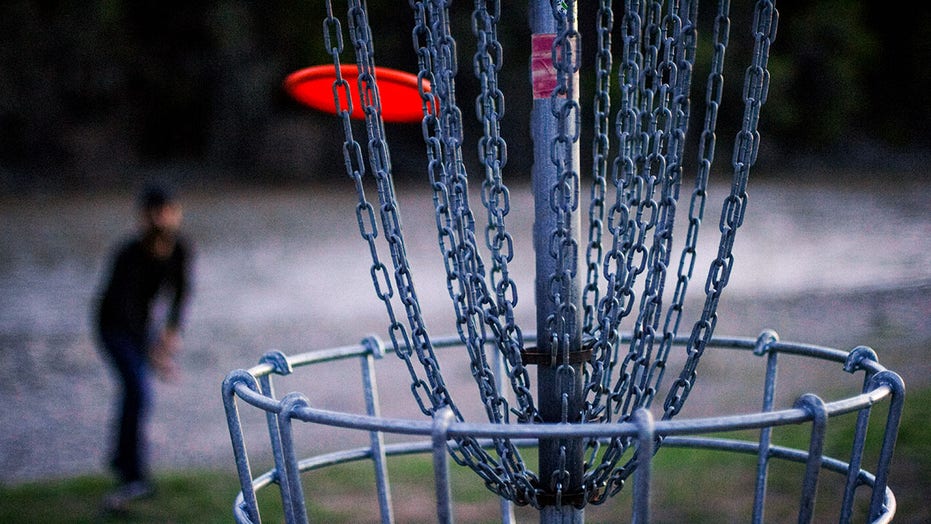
<point x="136" y="279"/>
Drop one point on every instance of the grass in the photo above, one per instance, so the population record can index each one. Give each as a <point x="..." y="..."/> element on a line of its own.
<point x="688" y="486"/>
<point x="190" y="496"/>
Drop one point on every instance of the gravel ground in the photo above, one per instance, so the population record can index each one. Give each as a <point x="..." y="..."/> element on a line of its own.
<point x="839" y="265"/>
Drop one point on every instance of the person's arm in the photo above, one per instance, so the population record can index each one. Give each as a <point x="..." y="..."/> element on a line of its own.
<point x="182" y="288"/>
<point x="163" y="353"/>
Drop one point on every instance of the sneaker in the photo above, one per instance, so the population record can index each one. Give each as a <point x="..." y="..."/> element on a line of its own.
<point x="126" y="493"/>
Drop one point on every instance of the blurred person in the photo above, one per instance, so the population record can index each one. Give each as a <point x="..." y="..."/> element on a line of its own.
<point x="139" y="319"/>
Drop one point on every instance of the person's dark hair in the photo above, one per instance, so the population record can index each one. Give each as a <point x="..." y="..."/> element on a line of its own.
<point x="154" y="196"/>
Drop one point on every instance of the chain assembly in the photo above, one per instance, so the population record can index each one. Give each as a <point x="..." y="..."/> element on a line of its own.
<point x="638" y="152"/>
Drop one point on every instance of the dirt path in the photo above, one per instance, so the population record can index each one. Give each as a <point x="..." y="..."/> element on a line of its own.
<point x="839" y="267"/>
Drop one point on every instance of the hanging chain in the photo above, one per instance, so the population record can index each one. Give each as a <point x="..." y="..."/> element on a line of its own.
<point x="668" y="126"/>
<point x="601" y="149"/>
<point x="477" y="311"/>
<point x="499" y="315"/>
<point x="466" y="270"/>
<point x="756" y="85"/>
<point x="639" y="387"/>
<point x="492" y="148"/>
<point x="657" y="110"/>
<point x="620" y="267"/>
<point x="468" y="452"/>
<point x="452" y="221"/>
<point x="648" y="160"/>
<point x="429" y="392"/>
<point x="685" y="62"/>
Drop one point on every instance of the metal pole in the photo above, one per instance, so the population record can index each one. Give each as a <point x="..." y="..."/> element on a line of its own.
<point x="559" y="385"/>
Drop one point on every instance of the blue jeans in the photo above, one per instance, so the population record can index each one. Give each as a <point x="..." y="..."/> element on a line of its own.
<point x="128" y="356"/>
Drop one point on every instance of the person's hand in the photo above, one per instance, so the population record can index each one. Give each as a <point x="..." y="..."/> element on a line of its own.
<point x="162" y="356"/>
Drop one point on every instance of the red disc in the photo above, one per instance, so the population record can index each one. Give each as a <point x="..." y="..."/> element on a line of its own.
<point x="398" y="91"/>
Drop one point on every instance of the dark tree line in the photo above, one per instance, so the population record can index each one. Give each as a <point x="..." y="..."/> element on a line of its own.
<point x="92" y="89"/>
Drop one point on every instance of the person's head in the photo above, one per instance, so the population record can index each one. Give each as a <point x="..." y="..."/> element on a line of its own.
<point x="159" y="210"/>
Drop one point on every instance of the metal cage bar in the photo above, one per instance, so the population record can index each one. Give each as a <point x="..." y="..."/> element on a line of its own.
<point x="376" y="349"/>
<point x="763" y="346"/>
<point x="880" y="385"/>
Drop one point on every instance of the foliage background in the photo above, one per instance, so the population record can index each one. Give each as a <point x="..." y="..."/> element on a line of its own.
<point x="98" y="92"/>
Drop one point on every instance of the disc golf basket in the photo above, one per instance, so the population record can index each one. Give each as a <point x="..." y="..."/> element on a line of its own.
<point x="609" y="303"/>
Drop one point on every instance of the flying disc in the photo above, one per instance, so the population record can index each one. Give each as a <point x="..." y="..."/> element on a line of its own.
<point x="398" y="91"/>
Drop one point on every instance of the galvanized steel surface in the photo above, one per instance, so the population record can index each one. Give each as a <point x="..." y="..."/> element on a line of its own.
<point x="242" y="387"/>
